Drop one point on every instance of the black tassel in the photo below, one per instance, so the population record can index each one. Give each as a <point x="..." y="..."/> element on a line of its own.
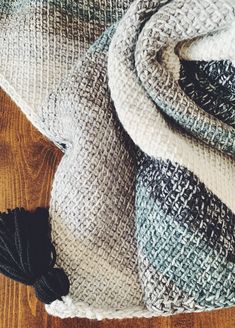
<point x="27" y="254"/>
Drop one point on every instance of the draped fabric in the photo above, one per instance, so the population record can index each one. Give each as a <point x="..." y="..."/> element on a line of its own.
<point x="139" y="95"/>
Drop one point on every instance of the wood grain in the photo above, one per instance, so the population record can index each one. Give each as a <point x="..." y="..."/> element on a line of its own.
<point x="27" y="165"/>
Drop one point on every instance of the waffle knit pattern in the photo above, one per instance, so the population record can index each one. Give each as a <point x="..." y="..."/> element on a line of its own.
<point x="142" y="205"/>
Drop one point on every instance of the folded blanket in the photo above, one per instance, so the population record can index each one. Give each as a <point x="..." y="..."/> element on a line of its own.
<point x="142" y="205"/>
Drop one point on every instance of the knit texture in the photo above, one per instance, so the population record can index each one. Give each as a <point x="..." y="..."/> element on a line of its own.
<point x="142" y="204"/>
<point x="184" y="231"/>
<point x="42" y="41"/>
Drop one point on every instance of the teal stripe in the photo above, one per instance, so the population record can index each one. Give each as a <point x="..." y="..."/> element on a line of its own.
<point x="89" y="12"/>
<point x="183" y="257"/>
<point x="103" y="42"/>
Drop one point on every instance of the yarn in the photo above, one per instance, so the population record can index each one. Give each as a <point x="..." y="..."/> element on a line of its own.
<point x="137" y="236"/>
<point x="51" y="286"/>
<point x="27" y="254"/>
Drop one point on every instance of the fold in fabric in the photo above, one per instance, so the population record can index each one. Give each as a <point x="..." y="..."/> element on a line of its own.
<point x="184" y="230"/>
<point x="142" y="204"/>
<point x="208" y="140"/>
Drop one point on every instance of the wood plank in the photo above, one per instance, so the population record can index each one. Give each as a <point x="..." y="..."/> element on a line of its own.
<point x="27" y="165"/>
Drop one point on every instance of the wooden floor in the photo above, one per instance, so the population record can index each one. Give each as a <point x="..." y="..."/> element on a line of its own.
<point x="27" y="166"/>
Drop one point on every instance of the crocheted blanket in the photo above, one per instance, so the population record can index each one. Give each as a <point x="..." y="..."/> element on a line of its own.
<point x="140" y="97"/>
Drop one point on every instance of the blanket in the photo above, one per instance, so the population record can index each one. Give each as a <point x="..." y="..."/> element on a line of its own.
<point x="139" y="96"/>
